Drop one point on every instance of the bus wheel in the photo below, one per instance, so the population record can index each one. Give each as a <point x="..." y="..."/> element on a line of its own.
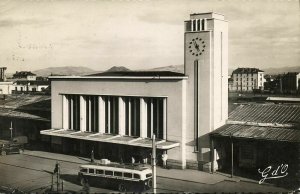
<point x="148" y="184"/>
<point x="3" y="153"/>
<point x="83" y="181"/>
<point x="122" y="187"/>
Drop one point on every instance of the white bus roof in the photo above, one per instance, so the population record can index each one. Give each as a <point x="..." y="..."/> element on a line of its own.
<point x="118" y="167"/>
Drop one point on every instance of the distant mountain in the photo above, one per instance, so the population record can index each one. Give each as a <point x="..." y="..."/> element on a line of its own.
<point x="173" y="68"/>
<point x="281" y="70"/>
<point x="117" y="68"/>
<point x="67" y="70"/>
<point x="273" y="71"/>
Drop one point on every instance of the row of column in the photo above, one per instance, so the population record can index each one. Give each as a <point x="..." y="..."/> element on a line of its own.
<point x="103" y="113"/>
<point x="198" y="25"/>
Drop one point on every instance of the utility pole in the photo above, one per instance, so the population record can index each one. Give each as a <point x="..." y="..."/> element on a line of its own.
<point x="231" y="156"/>
<point x="153" y="164"/>
<point x="11" y="135"/>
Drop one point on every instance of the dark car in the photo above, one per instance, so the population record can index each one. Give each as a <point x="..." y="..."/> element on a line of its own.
<point x="15" y="146"/>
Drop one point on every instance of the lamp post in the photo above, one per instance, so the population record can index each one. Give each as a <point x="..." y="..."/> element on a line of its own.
<point x="153" y="164"/>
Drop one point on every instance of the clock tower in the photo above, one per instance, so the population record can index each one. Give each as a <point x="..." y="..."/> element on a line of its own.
<point x="206" y="65"/>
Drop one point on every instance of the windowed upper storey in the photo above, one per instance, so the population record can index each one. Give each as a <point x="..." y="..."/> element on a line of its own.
<point x="131" y="116"/>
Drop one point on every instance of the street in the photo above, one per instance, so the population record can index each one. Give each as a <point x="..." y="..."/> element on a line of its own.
<point x="33" y="174"/>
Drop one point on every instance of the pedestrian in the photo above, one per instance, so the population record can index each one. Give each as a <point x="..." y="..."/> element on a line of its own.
<point x="56" y="169"/>
<point x="92" y="156"/>
<point x="132" y="160"/>
<point x="164" y="158"/>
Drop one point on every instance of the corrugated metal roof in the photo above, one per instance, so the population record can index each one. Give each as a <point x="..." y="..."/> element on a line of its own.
<point x="266" y="113"/>
<point x="259" y="133"/>
<point x="4" y="112"/>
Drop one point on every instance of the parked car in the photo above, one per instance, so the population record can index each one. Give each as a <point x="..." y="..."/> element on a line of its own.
<point x="14" y="146"/>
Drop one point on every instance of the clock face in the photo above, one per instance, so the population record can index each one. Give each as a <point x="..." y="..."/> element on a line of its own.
<point x="196" y="46"/>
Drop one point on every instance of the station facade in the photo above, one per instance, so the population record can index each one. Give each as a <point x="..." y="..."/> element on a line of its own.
<point x="115" y="113"/>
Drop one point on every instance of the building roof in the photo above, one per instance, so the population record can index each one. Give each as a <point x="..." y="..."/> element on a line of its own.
<point x="258" y="133"/>
<point x="11" y="113"/>
<point x="139" y="73"/>
<point x="284" y="99"/>
<point x="33" y="82"/>
<point x="246" y="70"/>
<point x="266" y="113"/>
<point x="23" y="74"/>
<point x="26" y="106"/>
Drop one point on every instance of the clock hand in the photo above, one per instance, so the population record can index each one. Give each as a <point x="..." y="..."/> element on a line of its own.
<point x="196" y="45"/>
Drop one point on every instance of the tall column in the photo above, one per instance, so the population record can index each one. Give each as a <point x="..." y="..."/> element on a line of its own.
<point x="129" y="117"/>
<point x="143" y="118"/>
<point x="89" y="101"/>
<point x="71" y="113"/>
<point x="65" y="112"/>
<point x="151" y="115"/>
<point x="101" y="108"/>
<point x="108" y="115"/>
<point x="134" y="117"/>
<point x="82" y="114"/>
<point x="122" y="116"/>
<point x="165" y="118"/>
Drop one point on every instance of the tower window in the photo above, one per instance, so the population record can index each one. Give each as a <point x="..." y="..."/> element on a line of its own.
<point x="194" y="25"/>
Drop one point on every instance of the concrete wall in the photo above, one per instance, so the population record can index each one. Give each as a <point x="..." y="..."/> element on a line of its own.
<point x="6" y="87"/>
<point x="174" y="90"/>
<point x="212" y="87"/>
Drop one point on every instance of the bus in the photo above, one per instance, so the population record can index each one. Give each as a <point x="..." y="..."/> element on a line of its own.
<point x="124" y="177"/>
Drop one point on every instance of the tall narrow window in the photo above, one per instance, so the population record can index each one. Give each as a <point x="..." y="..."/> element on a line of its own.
<point x="92" y="113"/>
<point x="198" y="25"/>
<point x="111" y="115"/>
<point x="194" y="25"/>
<point x="135" y="116"/>
<point x="155" y="117"/>
<point x="73" y="112"/>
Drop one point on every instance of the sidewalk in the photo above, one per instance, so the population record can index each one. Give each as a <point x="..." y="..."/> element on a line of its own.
<point x="176" y="174"/>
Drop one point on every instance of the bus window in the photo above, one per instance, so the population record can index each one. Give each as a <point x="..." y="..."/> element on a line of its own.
<point x="83" y="170"/>
<point x="127" y="175"/>
<point x="107" y="172"/>
<point x="99" y="171"/>
<point x="118" y="173"/>
<point x="92" y="171"/>
<point x="136" y="176"/>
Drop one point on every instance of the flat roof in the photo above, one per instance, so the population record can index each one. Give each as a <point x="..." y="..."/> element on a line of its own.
<point x="154" y="75"/>
<point x="111" y="138"/>
<point x="139" y="73"/>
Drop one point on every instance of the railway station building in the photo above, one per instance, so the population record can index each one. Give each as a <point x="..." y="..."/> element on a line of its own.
<point x="115" y="113"/>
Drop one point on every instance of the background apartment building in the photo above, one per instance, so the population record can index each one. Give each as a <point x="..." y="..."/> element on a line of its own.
<point x="247" y="79"/>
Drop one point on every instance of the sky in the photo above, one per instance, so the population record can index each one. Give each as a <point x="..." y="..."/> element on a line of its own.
<point x="141" y="34"/>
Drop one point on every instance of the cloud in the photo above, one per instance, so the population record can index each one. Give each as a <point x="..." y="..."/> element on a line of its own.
<point x="31" y="22"/>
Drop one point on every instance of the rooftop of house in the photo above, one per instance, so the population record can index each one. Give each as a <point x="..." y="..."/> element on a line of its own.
<point x="246" y="70"/>
<point x="32" y="82"/>
<point x="23" y="73"/>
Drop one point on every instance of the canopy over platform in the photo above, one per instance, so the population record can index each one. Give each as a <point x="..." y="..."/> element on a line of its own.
<point x="111" y="138"/>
